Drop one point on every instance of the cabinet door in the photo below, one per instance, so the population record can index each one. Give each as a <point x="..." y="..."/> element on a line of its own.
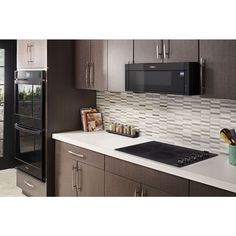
<point x="180" y="50"/>
<point x="148" y="191"/>
<point x="120" y="52"/>
<point x="82" y="62"/>
<point x="90" y="180"/>
<point x="201" y="190"/>
<point x="99" y="64"/>
<point x="31" y="54"/>
<point x="23" y="55"/>
<point x="119" y="186"/>
<point x="148" y="51"/>
<point x="219" y="71"/>
<point x="65" y="176"/>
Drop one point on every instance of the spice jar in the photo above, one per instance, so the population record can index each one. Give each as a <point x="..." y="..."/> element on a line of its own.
<point x="132" y="131"/>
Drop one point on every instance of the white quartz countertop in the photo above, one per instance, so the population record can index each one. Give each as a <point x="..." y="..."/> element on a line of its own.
<point x="215" y="171"/>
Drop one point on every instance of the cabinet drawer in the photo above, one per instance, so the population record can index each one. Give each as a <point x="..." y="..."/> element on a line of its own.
<point x="198" y="190"/>
<point x="80" y="154"/>
<point x="164" y="182"/>
<point x="30" y="186"/>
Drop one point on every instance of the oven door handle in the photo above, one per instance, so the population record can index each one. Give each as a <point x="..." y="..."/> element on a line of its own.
<point x="37" y="132"/>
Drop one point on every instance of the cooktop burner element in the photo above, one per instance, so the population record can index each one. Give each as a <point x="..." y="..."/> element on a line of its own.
<point x="167" y="153"/>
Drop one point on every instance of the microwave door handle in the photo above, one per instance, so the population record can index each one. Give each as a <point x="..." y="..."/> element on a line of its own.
<point x="37" y="132"/>
<point x="202" y="82"/>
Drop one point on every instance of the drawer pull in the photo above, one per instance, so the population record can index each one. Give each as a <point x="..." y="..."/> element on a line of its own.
<point x="76" y="154"/>
<point x="28" y="184"/>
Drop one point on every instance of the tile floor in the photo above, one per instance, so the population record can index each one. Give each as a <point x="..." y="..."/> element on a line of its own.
<point x="8" y="186"/>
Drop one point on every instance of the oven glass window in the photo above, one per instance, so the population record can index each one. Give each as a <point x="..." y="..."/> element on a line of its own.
<point x="29" y="99"/>
<point x="30" y="146"/>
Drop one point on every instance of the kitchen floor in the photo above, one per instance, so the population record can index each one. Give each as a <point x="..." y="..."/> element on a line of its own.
<point x="8" y="186"/>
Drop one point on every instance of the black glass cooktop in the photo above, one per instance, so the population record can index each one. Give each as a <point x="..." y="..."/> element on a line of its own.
<point x="167" y="153"/>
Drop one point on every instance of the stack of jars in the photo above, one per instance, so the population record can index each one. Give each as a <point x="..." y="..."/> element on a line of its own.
<point x="123" y="129"/>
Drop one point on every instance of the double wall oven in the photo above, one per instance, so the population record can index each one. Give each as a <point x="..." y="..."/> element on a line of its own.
<point x="29" y="122"/>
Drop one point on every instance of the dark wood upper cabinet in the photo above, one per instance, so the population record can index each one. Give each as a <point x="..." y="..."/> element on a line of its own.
<point x="82" y="60"/>
<point x="157" y="51"/>
<point x="91" y="64"/>
<point x="99" y="64"/>
<point x="219" y="70"/>
<point x="180" y="50"/>
<point x="120" y="52"/>
<point x="148" y="51"/>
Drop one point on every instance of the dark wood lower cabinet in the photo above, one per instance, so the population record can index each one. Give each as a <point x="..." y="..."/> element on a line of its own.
<point x="119" y="186"/>
<point x="163" y="183"/>
<point x="78" y="172"/>
<point x="148" y="191"/>
<point x="81" y="172"/>
<point x="202" y="190"/>
<point x="64" y="172"/>
<point x="90" y="181"/>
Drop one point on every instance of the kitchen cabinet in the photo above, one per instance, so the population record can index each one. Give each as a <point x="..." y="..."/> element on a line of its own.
<point x="218" y="59"/>
<point x="202" y="190"/>
<point x="148" y="51"/>
<point x="65" y="171"/>
<point x="147" y="191"/>
<point x="157" y="51"/>
<point x="91" y="64"/>
<point x="120" y="52"/>
<point x="79" y="172"/>
<point x="151" y="182"/>
<point x="31" y="54"/>
<point x="119" y="186"/>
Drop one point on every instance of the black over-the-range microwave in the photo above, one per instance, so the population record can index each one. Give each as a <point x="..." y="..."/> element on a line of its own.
<point x="172" y="78"/>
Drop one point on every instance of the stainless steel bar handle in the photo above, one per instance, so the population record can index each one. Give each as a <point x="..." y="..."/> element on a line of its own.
<point x="73" y="181"/>
<point x="29" y="52"/>
<point x="202" y="82"/>
<point x="143" y="193"/>
<point x="137" y="192"/>
<point x="157" y="50"/>
<point x="166" y="49"/>
<point x="87" y="74"/>
<point x="91" y="74"/>
<point x="28" y="184"/>
<point x="79" y="186"/>
<point x="76" y="154"/>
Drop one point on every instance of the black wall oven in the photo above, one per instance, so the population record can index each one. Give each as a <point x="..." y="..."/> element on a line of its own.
<point x="29" y="122"/>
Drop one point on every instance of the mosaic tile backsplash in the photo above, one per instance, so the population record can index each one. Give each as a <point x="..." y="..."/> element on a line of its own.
<point x="190" y="121"/>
